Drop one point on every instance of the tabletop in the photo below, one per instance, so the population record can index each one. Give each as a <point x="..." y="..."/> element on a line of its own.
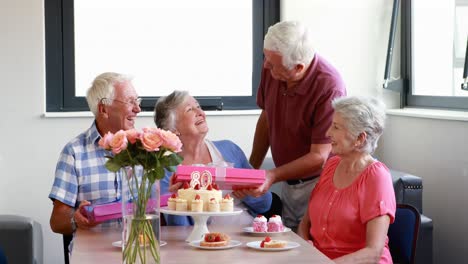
<point x="95" y="246"/>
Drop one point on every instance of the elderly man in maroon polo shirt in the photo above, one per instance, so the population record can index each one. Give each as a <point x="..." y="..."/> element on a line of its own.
<point x="295" y="94"/>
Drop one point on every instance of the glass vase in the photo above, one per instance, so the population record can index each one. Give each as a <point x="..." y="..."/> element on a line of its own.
<point x="141" y="217"/>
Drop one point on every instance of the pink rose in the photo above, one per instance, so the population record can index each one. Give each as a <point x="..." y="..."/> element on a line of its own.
<point x="151" y="139"/>
<point x="119" y="142"/>
<point x="171" y="141"/>
<point x="104" y="142"/>
<point x="132" y="135"/>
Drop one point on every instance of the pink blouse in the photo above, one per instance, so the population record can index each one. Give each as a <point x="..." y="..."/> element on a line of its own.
<point x="339" y="216"/>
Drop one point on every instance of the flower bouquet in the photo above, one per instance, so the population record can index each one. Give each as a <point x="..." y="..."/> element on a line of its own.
<point x="141" y="157"/>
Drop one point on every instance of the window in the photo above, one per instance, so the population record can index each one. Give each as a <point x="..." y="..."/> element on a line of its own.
<point x="434" y="38"/>
<point x="211" y="48"/>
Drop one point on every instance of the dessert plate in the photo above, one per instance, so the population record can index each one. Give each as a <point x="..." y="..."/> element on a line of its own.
<point x="249" y="230"/>
<point x="231" y="244"/>
<point x="119" y="243"/>
<point x="256" y="245"/>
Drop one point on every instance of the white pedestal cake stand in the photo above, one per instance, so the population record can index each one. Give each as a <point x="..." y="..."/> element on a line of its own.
<point x="200" y="218"/>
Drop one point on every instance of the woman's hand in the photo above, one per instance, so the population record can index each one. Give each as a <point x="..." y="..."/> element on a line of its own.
<point x="174" y="186"/>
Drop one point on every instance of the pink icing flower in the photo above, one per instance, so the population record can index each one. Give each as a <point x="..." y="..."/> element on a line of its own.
<point x="151" y="139"/>
<point x="118" y="142"/>
<point x="104" y="142"/>
<point x="171" y="141"/>
<point x="132" y="135"/>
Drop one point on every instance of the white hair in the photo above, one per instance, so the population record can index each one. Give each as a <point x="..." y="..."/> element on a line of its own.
<point x="102" y="87"/>
<point x="292" y="40"/>
<point x="362" y="114"/>
<point x="165" y="110"/>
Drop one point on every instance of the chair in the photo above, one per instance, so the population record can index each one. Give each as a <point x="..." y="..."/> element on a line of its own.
<point x="403" y="234"/>
<point x="276" y="207"/>
<point x="21" y="239"/>
<point x="66" y="242"/>
<point x="409" y="190"/>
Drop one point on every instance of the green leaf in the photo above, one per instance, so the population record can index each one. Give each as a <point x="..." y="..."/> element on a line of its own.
<point x="113" y="166"/>
<point x="159" y="172"/>
<point x="152" y="175"/>
<point x="171" y="168"/>
<point x="173" y="160"/>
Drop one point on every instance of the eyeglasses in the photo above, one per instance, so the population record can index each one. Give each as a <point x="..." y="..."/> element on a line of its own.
<point x="133" y="102"/>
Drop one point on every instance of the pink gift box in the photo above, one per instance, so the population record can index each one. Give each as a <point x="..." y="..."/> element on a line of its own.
<point x="109" y="211"/>
<point x="225" y="178"/>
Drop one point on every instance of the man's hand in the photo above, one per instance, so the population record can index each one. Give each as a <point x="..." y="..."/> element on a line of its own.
<point x="81" y="220"/>
<point x="262" y="189"/>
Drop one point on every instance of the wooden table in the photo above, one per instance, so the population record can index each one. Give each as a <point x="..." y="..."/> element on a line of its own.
<point x="95" y="246"/>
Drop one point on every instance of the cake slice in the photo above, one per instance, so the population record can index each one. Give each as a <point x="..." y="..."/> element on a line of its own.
<point x="215" y="239"/>
<point x="270" y="243"/>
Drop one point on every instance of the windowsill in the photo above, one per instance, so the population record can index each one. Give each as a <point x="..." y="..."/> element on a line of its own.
<point x="430" y="113"/>
<point x="150" y="114"/>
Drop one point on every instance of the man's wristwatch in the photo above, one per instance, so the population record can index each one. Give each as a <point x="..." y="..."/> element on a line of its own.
<point x="73" y="223"/>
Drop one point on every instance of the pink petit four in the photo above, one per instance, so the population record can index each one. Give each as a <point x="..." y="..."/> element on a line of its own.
<point x="260" y="224"/>
<point x="275" y="224"/>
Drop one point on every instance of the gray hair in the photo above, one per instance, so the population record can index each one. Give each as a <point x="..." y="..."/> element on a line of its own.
<point x="362" y="114"/>
<point x="292" y="40"/>
<point x="165" y="109"/>
<point x="103" y="87"/>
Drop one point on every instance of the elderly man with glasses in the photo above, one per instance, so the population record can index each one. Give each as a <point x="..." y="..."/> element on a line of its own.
<point x="81" y="177"/>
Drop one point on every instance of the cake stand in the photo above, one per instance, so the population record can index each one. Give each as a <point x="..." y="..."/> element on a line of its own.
<point x="200" y="218"/>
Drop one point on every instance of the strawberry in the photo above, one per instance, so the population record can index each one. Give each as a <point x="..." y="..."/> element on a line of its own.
<point x="186" y="185"/>
<point x="267" y="239"/>
<point x="197" y="197"/>
<point x="209" y="237"/>
<point x="215" y="186"/>
<point x="217" y="238"/>
<point x="227" y="196"/>
<point x="212" y="199"/>
<point x="197" y="187"/>
<point x="174" y="195"/>
<point x="209" y="187"/>
<point x="274" y="215"/>
<point x="262" y="244"/>
<point x="259" y="215"/>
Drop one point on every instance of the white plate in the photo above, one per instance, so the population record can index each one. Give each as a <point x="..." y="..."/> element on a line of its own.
<point x="231" y="244"/>
<point x="119" y="243"/>
<point x="249" y="230"/>
<point x="166" y="210"/>
<point x="256" y="245"/>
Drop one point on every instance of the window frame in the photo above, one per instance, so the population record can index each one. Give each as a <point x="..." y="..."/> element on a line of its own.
<point x="404" y="85"/>
<point x="59" y="54"/>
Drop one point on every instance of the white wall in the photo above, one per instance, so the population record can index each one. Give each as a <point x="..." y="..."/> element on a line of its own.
<point x="351" y="34"/>
<point x="437" y="151"/>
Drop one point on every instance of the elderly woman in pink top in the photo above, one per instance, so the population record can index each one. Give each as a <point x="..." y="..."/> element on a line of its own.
<point x="353" y="203"/>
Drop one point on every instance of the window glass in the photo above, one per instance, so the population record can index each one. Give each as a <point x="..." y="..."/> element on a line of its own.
<point x="439" y="38"/>
<point x="202" y="46"/>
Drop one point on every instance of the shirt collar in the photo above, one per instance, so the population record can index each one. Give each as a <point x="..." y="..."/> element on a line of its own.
<point x="304" y="86"/>
<point x="93" y="133"/>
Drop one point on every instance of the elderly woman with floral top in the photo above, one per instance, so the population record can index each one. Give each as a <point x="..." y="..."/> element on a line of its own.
<point x="351" y="207"/>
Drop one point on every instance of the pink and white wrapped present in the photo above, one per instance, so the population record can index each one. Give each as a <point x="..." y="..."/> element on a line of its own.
<point x="109" y="211"/>
<point x="225" y="178"/>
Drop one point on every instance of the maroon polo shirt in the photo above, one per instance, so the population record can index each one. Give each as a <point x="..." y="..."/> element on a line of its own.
<point x="302" y="116"/>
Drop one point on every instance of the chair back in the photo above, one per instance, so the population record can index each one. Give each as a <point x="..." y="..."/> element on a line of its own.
<point x="403" y="234"/>
<point x="20" y="240"/>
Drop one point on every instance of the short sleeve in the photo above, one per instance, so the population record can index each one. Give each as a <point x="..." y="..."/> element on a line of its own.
<point x="376" y="193"/>
<point x="65" y="186"/>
